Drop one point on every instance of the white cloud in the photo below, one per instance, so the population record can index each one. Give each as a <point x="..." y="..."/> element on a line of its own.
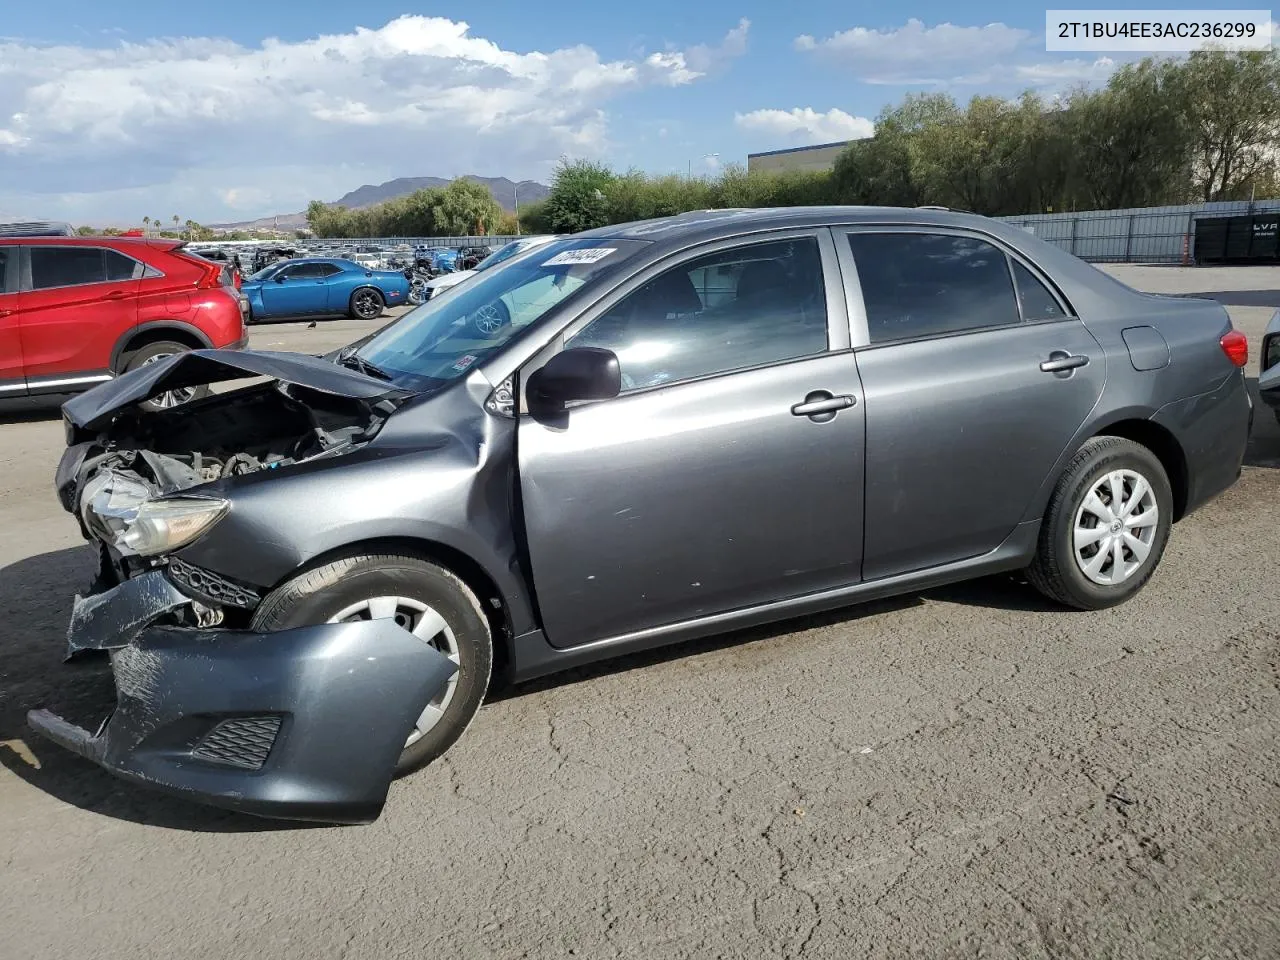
<point x="187" y="118"/>
<point x="915" y="53"/>
<point x="803" y="126"/>
<point x="734" y="44"/>
<point x="1067" y="72"/>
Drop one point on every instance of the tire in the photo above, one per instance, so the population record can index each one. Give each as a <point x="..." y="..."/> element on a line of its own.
<point x="319" y="595"/>
<point x="490" y="319"/>
<point x="366" y="304"/>
<point x="1058" y="570"/>
<point x="158" y="351"/>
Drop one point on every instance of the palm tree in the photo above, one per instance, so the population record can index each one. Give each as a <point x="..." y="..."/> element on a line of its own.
<point x="146" y="225"/>
<point x="176" y="221"/>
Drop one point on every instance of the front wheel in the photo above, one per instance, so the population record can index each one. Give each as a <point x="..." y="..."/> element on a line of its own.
<point x="153" y="353"/>
<point x="423" y="598"/>
<point x="1106" y="527"/>
<point x="366" y="304"/>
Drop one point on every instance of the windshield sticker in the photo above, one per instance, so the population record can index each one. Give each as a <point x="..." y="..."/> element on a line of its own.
<point x="585" y="255"/>
<point x="464" y="361"/>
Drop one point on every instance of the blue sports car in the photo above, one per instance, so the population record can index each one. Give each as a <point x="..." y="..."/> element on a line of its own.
<point x="311" y="286"/>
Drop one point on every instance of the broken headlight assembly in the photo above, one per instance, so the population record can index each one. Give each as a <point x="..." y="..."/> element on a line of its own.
<point x="121" y="511"/>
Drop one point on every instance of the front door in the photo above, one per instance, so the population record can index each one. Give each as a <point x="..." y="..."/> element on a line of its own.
<point x="708" y="485"/>
<point x="13" y="381"/>
<point x="974" y="387"/>
<point x="296" y="291"/>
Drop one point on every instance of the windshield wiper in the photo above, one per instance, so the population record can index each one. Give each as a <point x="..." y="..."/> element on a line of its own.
<point x="352" y="360"/>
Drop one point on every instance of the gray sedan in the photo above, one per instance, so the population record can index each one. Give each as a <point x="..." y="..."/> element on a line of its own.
<point x="661" y="430"/>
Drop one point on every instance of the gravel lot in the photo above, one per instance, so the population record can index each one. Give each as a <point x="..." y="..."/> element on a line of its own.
<point x="965" y="772"/>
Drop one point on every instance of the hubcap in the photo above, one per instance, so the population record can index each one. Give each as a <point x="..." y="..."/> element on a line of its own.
<point x="488" y="319"/>
<point x="170" y="398"/>
<point x="1115" y="527"/>
<point x="425" y="624"/>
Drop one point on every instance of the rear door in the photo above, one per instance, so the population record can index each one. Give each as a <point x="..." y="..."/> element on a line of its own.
<point x="13" y="382"/>
<point x="75" y="304"/>
<point x="728" y="472"/>
<point x="976" y="377"/>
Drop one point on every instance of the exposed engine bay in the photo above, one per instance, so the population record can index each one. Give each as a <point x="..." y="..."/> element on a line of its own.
<point x="142" y="456"/>
<point x="237" y="433"/>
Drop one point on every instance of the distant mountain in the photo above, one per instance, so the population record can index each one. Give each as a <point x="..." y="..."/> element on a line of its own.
<point x="504" y="191"/>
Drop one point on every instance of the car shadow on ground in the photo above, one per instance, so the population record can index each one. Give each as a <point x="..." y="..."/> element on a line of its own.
<point x="32" y="409"/>
<point x="39" y="591"/>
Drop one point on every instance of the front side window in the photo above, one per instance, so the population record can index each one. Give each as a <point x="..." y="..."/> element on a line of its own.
<point x="306" y="271"/>
<point x="927" y="284"/>
<point x="744" y="307"/>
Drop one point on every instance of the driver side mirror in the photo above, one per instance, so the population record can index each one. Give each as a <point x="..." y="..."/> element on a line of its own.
<point x="579" y="373"/>
<point x="279" y="277"/>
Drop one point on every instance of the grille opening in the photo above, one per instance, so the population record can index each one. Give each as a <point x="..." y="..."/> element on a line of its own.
<point x="243" y="742"/>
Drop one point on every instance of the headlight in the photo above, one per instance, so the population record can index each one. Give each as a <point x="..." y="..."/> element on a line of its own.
<point x="120" y="511"/>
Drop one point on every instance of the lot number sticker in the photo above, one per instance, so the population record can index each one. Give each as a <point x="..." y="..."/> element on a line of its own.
<point x="585" y="255"/>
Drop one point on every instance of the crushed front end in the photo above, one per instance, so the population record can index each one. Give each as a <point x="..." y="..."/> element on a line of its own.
<point x="305" y="723"/>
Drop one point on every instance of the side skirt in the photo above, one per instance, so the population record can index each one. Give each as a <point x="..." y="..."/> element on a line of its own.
<point x="533" y="656"/>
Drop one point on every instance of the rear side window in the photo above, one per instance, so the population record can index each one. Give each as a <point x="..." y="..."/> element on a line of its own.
<point x="120" y="267"/>
<point x="924" y="284"/>
<point x="8" y="278"/>
<point x="328" y="270"/>
<point x="1034" y="298"/>
<point x="74" y="266"/>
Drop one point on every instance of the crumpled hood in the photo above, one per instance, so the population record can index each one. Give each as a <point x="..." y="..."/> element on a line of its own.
<point x="95" y="408"/>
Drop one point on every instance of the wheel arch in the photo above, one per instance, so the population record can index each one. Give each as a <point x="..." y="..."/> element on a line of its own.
<point x="465" y="567"/>
<point x="1161" y="442"/>
<point x="1132" y="423"/>
<point x="153" y="332"/>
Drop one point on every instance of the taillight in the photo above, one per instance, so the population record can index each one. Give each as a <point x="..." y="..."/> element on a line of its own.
<point x="210" y="272"/>
<point x="1236" y="346"/>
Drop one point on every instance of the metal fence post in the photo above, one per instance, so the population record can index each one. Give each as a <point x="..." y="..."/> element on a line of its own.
<point x="1186" y="239"/>
<point x="1128" y="240"/>
<point x="1074" y="222"/>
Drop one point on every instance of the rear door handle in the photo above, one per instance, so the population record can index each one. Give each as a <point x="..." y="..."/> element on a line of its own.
<point x="1060" y="361"/>
<point x="116" y="295"/>
<point x="820" y="402"/>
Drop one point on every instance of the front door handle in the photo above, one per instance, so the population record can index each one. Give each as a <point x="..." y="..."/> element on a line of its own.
<point x="821" y="406"/>
<point x="116" y="295"/>
<point x="1060" y="361"/>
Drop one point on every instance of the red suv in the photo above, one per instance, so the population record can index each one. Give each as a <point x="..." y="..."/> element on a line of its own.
<point x="75" y="311"/>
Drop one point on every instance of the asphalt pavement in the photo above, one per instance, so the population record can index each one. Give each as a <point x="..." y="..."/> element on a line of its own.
<point x="959" y="773"/>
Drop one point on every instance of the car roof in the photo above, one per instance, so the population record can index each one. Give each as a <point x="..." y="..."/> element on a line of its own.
<point x="122" y="243"/>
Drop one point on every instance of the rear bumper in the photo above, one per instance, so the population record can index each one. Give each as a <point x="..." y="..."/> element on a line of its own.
<point x="301" y="724"/>
<point x="1213" y="430"/>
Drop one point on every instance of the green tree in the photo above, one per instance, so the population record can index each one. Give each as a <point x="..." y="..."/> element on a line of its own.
<point x="1233" y="107"/>
<point x="577" y="200"/>
<point x="85" y="231"/>
<point x="1132" y="139"/>
<point x="464" y="208"/>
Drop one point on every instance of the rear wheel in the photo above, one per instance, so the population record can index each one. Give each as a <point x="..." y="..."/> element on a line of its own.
<point x="153" y="353"/>
<point x="423" y="598"/>
<point x="1106" y="527"/>
<point x="366" y="304"/>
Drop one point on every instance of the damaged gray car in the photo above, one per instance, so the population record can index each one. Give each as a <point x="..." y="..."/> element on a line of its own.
<point x="627" y="438"/>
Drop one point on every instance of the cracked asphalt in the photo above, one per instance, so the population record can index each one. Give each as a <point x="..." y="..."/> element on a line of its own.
<point x="966" y="772"/>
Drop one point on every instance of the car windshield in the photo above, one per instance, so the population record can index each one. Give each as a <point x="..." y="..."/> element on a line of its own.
<point x="266" y="272"/>
<point x="503" y="255"/>
<point x="443" y="338"/>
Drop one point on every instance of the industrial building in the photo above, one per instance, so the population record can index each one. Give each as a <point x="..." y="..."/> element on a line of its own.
<point x="820" y="156"/>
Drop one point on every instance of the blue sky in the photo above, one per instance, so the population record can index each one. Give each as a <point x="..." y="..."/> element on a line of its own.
<point x="233" y="109"/>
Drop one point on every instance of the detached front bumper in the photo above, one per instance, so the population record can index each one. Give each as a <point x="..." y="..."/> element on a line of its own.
<point x="301" y="724"/>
